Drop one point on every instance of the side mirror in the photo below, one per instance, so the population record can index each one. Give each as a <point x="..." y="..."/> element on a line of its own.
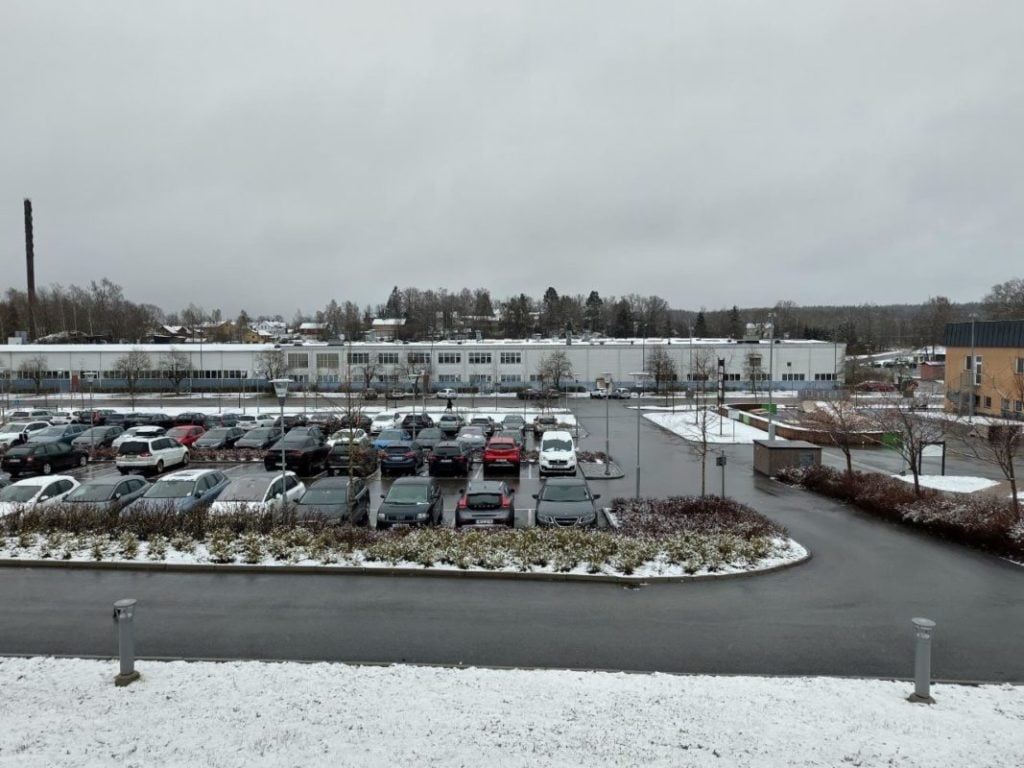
<point x="534" y="495"/>
<point x="597" y="495"/>
<point x="382" y="495"/>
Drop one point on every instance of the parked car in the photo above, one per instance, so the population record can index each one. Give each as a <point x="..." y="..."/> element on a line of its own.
<point x="355" y="420"/>
<point x="620" y="393"/>
<point x="62" y="417"/>
<point x="530" y="393"/>
<point x="450" y="423"/>
<point x="411" y="501"/>
<point x="385" y="420"/>
<point x="150" y="454"/>
<point x="389" y="436"/>
<point x="310" y="430"/>
<point x="543" y="422"/>
<point x="401" y="457"/>
<point x="144" y="431"/>
<point x="566" y="501"/>
<point x="486" y="502"/>
<point x="447" y="394"/>
<point x="450" y="457"/>
<point x="259" y="437"/>
<point x="14" y="432"/>
<point x="336" y="500"/>
<point x="369" y="394"/>
<point x="31" y="414"/>
<point x="472" y="436"/>
<point x="189" y="418"/>
<point x="107" y="492"/>
<point x="302" y="454"/>
<point x="96" y="437"/>
<point x="557" y="454"/>
<point x="291" y="421"/>
<point x="35" y="491"/>
<point x="514" y="421"/>
<point x="361" y="454"/>
<point x="117" y="419"/>
<point x="220" y="437"/>
<point x="601" y="393"/>
<point x="180" y="492"/>
<point x="502" y="453"/>
<point x="350" y="435"/>
<point x="515" y="435"/>
<point x="257" y="493"/>
<point x="429" y="437"/>
<point x="41" y="458"/>
<point x="186" y="434"/>
<point x="414" y="422"/>
<point x="245" y="421"/>
<point x="63" y="433"/>
<point x="486" y="423"/>
<point x="265" y="419"/>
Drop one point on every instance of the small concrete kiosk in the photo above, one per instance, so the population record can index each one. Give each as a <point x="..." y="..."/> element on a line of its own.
<point x="772" y="455"/>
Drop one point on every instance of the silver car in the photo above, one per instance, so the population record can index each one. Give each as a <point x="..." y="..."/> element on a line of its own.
<point x="566" y="501"/>
<point x="473" y="437"/>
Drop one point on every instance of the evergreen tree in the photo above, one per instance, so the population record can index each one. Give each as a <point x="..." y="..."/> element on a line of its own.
<point x="735" y="324"/>
<point x="593" y="312"/>
<point x="393" y="307"/>
<point x="700" y="327"/>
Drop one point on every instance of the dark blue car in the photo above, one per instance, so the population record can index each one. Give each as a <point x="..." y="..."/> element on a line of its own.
<point x="401" y="458"/>
<point x="180" y="492"/>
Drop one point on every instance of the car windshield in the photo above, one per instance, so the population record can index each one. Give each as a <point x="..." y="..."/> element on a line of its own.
<point x="247" y="489"/>
<point x="50" y="432"/>
<point x="263" y="433"/>
<point x="513" y="420"/>
<point x="483" y="500"/>
<point x="564" y="493"/>
<point x="170" y="489"/>
<point x="217" y="433"/>
<point x="18" y="493"/>
<point x="94" y="433"/>
<point x="91" y="492"/>
<point x="556" y="444"/>
<point x="406" y="494"/>
<point x="324" y="496"/>
<point x="430" y="433"/>
<point x="180" y="431"/>
<point x="294" y="441"/>
<point x="14" y="426"/>
<point x="473" y="431"/>
<point x="391" y="434"/>
<point x="447" y="450"/>
<point x="133" y="448"/>
<point x="502" y="445"/>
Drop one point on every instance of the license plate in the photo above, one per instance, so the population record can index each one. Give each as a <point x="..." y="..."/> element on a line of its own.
<point x="14" y="461"/>
<point x="485" y="522"/>
<point x="446" y="461"/>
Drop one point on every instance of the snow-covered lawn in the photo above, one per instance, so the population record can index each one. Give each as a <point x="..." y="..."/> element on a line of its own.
<point x="732" y="431"/>
<point x="953" y="483"/>
<point x="67" y="712"/>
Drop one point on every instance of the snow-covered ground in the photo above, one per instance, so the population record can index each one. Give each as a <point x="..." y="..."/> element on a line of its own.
<point x="67" y="712"/>
<point x="953" y="483"/>
<point x="682" y="424"/>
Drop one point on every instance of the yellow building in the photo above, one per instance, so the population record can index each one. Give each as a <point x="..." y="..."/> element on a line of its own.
<point x="985" y="368"/>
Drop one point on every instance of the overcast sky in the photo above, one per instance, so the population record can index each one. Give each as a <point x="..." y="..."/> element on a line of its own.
<point x="274" y="156"/>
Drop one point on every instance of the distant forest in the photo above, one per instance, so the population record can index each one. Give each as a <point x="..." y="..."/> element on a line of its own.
<point x="102" y="311"/>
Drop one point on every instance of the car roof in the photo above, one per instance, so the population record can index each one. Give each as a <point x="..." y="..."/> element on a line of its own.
<point x="485" y="486"/>
<point x="188" y="474"/>
<point x="44" y="479"/>
<point x="330" y="482"/>
<point x="558" y="433"/>
<point x="413" y="481"/>
<point x="566" y="481"/>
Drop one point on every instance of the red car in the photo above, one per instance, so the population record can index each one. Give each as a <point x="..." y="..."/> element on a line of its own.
<point x="186" y="434"/>
<point x="502" y="453"/>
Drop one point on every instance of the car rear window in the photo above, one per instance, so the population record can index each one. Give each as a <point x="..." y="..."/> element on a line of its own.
<point x="133" y="448"/>
<point x="447" y="450"/>
<point x="483" y="500"/>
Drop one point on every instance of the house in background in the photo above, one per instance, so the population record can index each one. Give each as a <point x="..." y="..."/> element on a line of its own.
<point x="985" y="368"/>
<point x="387" y="328"/>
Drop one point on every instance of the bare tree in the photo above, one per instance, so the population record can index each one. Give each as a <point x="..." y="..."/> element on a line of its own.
<point x="906" y="430"/>
<point x="702" y="369"/>
<point x="662" y="368"/>
<point x="176" y="367"/>
<point x="554" y="368"/>
<point x="271" y="364"/>
<point x="34" y="369"/>
<point x="837" y="417"/>
<point x="368" y="371"/>
<point x="131" y="368"/>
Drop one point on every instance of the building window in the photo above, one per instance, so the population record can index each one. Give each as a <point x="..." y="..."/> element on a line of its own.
<point x="511" y="378"/>
<point x="1019" y="368"/>
<point x="358" y="358"/>
<point x="1018" y="405"/>
<point x="449" y="378"/>
<point x="824" y="377"/>
<point x="418" y="358"/>
<point x="792" y="377"/>
<point x="480" y="358"/>
<point x="449" y="358"/>
<point x="754" y="361"/>
<point x="479" y="378"/>
<point x="298" y="360"/>
<point x="387" y="358"/>
<point x="511" y="358"/>
<point x="327" y="360"/>
<point x="1004" y="404"/>
<point x="977" y="371"/>
<point x="988" y="402"/>
<point x="731" y="377"/>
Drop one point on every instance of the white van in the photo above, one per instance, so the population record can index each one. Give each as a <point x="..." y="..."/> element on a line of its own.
<point x="557" y="453"/>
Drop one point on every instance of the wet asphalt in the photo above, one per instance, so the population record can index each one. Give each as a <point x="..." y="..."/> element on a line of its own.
<point x="845" y="612"/>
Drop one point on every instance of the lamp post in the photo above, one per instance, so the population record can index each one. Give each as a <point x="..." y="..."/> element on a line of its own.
<point x="281" y="390"/>
<point x="973" y="368"/>
<point x="607" y="429"/>
<point x="771" y="373"/>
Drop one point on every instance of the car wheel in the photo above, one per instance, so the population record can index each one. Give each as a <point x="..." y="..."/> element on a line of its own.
<point x="330" y="472"/>
<point x="184" y="460"/>
<point x="47" y="469"/>
<point x="159" y="466"/>
<point x="123" y="471"/>
<point x="83" y="460"/>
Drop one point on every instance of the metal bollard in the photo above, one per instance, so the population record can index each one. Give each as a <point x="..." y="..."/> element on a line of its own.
<point x="124" y="614"/>
<point x="922" y="662"/>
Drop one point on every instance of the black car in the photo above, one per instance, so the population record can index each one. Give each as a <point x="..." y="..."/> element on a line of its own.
<point x="301" y="454"/>
<point x="260" y="437"/>
<point x="189" y="417"/>
<point x="291" y="420"/>
<point x="530" y="393"/>
<point x="355" y="421"/>
<point x="514" y="421"/>
<point x="220" y="437"/>
<point x="414" y="422"/>
<point x="567" y="502"/>
<point x="335" y="500"/>
<point x="411" y="501"/>
<point x="361" y="456"/>
<point x="96" y="437"/>
<point x="41" y="458"/>
<point x="450" y="457"/>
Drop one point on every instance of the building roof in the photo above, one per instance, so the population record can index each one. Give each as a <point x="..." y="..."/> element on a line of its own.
<point x="985" y="333"/>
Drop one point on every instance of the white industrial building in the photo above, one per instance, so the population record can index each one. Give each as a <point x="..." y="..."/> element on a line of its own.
<point x="505" y="364"/>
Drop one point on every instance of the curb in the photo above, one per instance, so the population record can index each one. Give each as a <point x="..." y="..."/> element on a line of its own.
<point x="356" y="570"/>
<point x="593" y="470"/>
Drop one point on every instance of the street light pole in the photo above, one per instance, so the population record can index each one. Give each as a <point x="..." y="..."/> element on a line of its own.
<point x="607" y="429"/>
<point x="281" y="390"/>
<point x="974" y="367"/>
<point x="771" y="373"/>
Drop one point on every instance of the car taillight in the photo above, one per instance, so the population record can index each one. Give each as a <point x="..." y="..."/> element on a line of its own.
<point x="462" y="503"/>
<point x="506" y="503"/>
<point x="410" y="455"/>
<point x="294" y="453"/>
<point x="145" y="455"/>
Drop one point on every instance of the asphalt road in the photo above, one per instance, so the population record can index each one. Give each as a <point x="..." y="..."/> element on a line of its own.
<point x="846" y="612"/>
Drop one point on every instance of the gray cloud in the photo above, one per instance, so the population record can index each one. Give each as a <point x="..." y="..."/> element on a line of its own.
<point x="277" y="156"/>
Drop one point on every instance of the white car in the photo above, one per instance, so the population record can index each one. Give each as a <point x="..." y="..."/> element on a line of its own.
<point x="347" y="436"/>
<point x="143" y="430"/>
<point x="32" y="414"/>
<point x="257" y="493"/>
<point x="245" y="421"/>
<point x="385" y="420"/>
<point x="150" y="453"/>
<point x="557" y="453"/>
<point x="265" y="420"/>
<point x="34" y="491"/>
<point x="447" y="394"/>
<point x="18" y="431"/>
<point x="61" y="417"/>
